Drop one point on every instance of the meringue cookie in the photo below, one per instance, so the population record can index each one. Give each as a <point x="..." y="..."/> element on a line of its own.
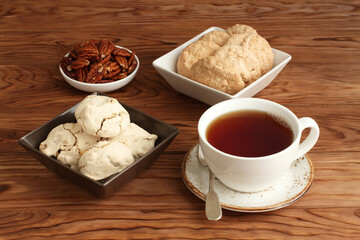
<point x="137" y="139"/>
<point x="102" y="116"/>
<point x="60" y="138"/>
<point x="104" y="159"/>
<point x="66" y="143"/>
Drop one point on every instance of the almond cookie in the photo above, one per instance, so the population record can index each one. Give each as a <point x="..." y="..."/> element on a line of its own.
<point x="256" y="46"/>
<point x="242" y="56"/>
<point x="200" y="49"/>
<point x="240" y="29"/>
<point x="256" y="62"/>
<point x="219" y="37"/>
<point x="193" y="53"/>
<point x="227" y="75"/>
<point x="102" y="116"/>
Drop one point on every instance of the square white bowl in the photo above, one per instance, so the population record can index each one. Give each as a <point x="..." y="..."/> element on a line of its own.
<point x="166" y="66"/>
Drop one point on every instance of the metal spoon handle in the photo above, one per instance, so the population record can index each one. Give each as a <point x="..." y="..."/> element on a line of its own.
<point x="212" y="204"/>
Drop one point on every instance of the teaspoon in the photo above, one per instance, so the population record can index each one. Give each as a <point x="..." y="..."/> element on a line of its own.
<point x="212" y="204"/>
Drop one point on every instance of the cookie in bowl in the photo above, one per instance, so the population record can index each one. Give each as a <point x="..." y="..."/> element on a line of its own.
<point x="186" y="67"/>
<point x="227" y="60"/>
<point x="100" y="165"/>
<point x="97" y="144"/>
<point x="102" y="116"/>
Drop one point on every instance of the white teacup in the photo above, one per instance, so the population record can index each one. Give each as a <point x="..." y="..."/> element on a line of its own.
<point x="252" y="174"/>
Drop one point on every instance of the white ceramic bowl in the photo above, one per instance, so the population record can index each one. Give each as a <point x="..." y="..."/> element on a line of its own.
<point x="166" y="66"/>
<point x="101" y="87"/>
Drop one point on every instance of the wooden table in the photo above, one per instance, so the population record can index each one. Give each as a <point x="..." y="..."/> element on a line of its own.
<point x="321" y="81"/>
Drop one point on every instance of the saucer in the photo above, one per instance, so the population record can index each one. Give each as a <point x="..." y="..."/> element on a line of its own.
<point x="290" y="187"/>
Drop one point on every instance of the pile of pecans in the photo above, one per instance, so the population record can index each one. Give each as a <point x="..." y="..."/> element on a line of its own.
<point x="98" y="62"/>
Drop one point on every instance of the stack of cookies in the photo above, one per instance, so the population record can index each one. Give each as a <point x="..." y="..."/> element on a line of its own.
<point x="102" y="142"/>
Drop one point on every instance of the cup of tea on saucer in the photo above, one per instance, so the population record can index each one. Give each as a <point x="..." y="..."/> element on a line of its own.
<point x="248" y="143"/>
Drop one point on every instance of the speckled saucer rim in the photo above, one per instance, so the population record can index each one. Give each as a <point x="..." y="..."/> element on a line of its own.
<point x="236" y="208"/>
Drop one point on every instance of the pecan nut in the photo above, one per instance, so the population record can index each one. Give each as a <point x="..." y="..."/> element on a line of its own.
<point x="110" y="67"/>
<point x="93" y="76"/>
<point x="73" y="55"/>
<point x="132" y="66"/>
<point x="131" y="58"/>
<point x="80" y="63"/>
<point x="87" y="50"/>
<point x="81" y="74"/>
<point x="121" y="52"/>
<point x="65" y="64"/>
<point x="121" y="76"/>
<point x="122" y="61"/>
<point x="105" y="48"/>
<point x="112" y="74"/>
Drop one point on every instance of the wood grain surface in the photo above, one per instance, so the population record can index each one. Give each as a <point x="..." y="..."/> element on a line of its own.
<point x="321" y="81"/>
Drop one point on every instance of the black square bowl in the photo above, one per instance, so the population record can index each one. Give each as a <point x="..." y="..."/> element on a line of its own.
<point x="105" y="187"/>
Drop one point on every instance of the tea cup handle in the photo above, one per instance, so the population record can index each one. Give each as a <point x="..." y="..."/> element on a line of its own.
<point x="311" y="139"/>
